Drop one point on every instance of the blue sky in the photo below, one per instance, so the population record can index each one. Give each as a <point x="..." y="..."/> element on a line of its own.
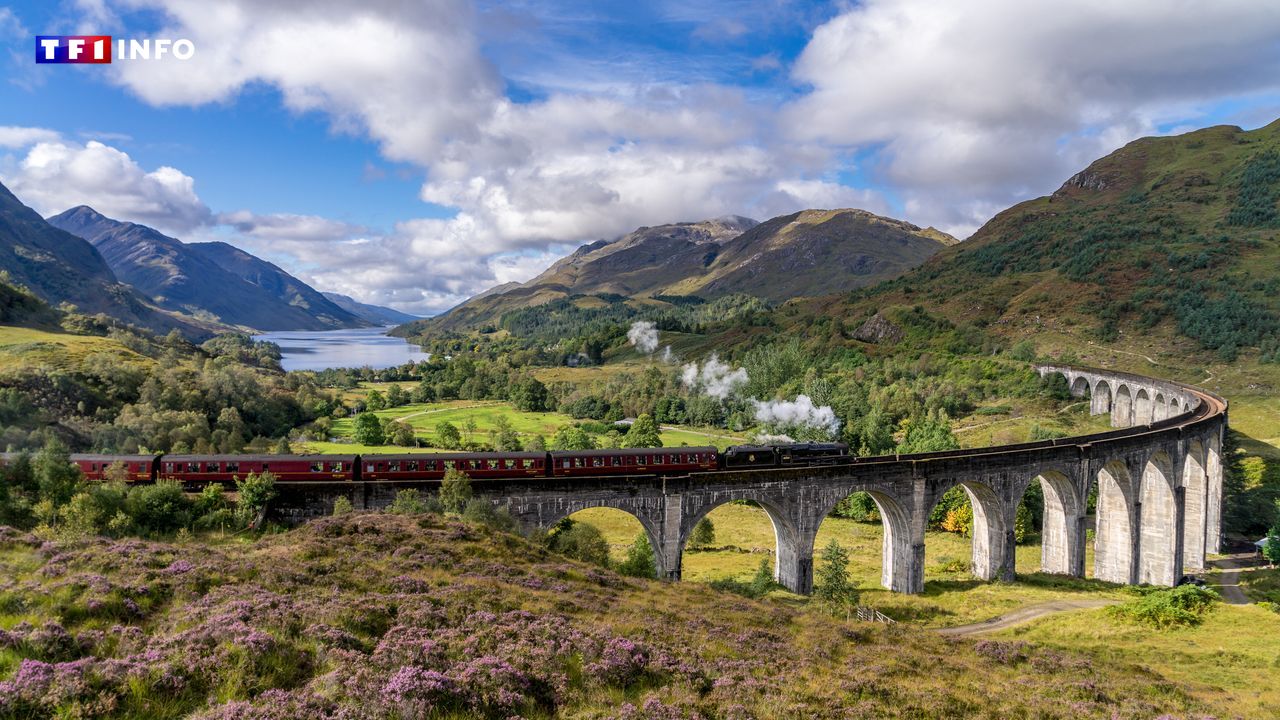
<point x="412" y="154"/>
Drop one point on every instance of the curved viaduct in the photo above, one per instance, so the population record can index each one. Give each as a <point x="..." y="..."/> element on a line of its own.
<point x="1158" y="479"/>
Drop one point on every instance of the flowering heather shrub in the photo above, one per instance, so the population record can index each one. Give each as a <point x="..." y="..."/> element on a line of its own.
<point x="371" y="616"/>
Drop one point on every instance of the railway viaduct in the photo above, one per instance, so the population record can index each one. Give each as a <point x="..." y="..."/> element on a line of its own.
<point x="1158" y="478"/>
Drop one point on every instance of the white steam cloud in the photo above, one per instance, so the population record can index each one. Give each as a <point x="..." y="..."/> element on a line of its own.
<point x="714" y="378"/>
<point x="800" y="412"/>
<point x="644" y="335"/>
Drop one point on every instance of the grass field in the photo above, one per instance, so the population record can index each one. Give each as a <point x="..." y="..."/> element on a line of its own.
<point x="1230" y="660"/>
<point x="25" y="348"/>
<point x="744" y="536"/>
<point x="486" y="414"/>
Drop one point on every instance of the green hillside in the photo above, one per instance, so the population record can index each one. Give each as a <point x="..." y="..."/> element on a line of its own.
<point x="1169" y="241"/>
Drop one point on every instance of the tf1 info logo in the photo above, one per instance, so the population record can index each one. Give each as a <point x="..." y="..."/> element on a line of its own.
<point x="97" y="49"/>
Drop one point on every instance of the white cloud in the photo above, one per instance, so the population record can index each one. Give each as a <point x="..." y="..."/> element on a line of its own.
<point x="979" y="104"/>
<point x="15" y="137"/>
<point x="56" y="175"/>
<point x="574" y="167"/>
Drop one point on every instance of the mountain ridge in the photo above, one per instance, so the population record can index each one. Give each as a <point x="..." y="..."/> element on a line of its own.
<point x="810" y="252"/>
<point x="195" y="279"/>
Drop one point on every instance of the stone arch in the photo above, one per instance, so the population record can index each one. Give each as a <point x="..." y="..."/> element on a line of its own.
<point x="661" y="563"/>
<point x="1143" y="409"/>
<point x="1080" y="387"/>
<point x="898" y="570"/>
<point x="1060" y="536"/>
<point x="1175" y="408"/>
<point x="1157" y="525"/>
<point x="1122" y="407"/>
<point x="787" y="553"/>
<point x="1101" y="398"/>
<point x="991" y="534"/>
<point x="1159" y="408"/>
<point x="1195" y="517"/>
<point x="1113" y="539"/>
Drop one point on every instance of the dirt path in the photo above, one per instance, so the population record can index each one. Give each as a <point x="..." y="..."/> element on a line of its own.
<point x="1025" y="615"/>
<point x="1126" y="352"/>
<point x="1229" y="581"/>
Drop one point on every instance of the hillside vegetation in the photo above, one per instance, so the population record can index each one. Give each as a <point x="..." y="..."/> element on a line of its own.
<point x="812" y="252"/>
<point x="370" y="616"/>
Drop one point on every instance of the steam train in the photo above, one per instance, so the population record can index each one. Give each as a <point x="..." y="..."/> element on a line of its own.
<point x="196" y="471"/>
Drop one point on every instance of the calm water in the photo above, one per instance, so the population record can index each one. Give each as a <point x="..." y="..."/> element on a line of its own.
<point x="321" y="349"/>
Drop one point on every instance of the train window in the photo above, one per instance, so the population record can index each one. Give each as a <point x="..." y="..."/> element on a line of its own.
<point x="579" y="462"/>
<point x="265" y="467"/>
<point x="193" y="467"/>
<point x="337" y="467"/>
<point x="368" y="467"/>
<point x="643" y="460"/>
<point x="394" y="466"/>
<point x="509" y="464"/>
<point x="476" y="464"/>
<point x="413" y="466"/>
<point x="527" y="463"/>
<point x="597" y="462"/>
<point x="617" y="461"/>
<point x="211" y="467"/>
<point x="449" y="464"/>
<point x="568" y="463"/>
<point x="168" y="467"/>
<point x="317" y="467"/>
<point x="233" y="467"/>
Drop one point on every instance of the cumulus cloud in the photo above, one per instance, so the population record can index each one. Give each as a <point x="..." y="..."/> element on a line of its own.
<point x="714" y="378"/>
<point x="980" y="104"/>
<point x="798" y="413"/>
<point x="56" y="175"/>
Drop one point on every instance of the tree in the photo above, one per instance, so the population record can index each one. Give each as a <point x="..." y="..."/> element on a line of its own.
<point x="342" y="506"/>
<point x="396" y="396"/>
<point x="407" y="502"/>
<point x="639" y="561"/>
<point x="536" y="443"/>
<point x="580" y="541"/>
<point x="643" y="433"/>
<point x="368" y="429"/>
<point x="572" y="437"/>
<point x="55" y="476"/>
<point x="402" y="434"/>
<point x="447" y="436"/>
<point x="833" y="586"/>
<point x="529" y="395"/>
<point x="1272" y="548"/>
<point x="928" y="434"/>
<point x="704" y="534"/>
<point x="375" y="401"/>
<point x="455" y="490"/>
<point x="283" y="447"/>
<point x="255" y="491"/>
<point x="469" y="429"/>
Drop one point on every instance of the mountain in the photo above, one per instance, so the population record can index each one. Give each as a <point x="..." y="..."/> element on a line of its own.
<point x="812" y="252"/>
<point x="1169" y="244"/>
<point x="375" y="314"/>
<point x="203" y="280"/>
<point x="279" y="284"/>
<point x="59" y="267"/>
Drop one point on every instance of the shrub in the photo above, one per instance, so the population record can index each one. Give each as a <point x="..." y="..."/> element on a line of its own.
<point x="833" y="586"/>
<point x="639" y="561"/>
<point x="704" y="534"/>
<point x="455" y="490"/>
<point x="761" y="584"/>
<point x="483" y="512"/>
<point x="1165" y="608"/>
<point x="342" y="506"/>
<point x="158" y="508"/>
<point x="580" y="541"/>
<point x="255" y="492"/>
<point x="407" y="502"/>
